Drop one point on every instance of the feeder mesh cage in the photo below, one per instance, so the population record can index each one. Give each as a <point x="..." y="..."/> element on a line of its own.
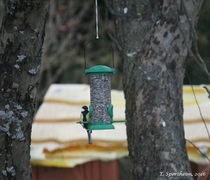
<point x="100" y="93"/>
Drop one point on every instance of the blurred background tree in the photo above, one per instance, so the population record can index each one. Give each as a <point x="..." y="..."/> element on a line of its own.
<point x="72" y="23"/>
<point x="196" y="76"/>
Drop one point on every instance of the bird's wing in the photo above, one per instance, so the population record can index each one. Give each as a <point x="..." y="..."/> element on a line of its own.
<point x="88" y="116"/>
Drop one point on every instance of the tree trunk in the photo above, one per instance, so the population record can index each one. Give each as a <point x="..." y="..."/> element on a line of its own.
<point x="21" y="39"/>
<point x="154" y="38"/>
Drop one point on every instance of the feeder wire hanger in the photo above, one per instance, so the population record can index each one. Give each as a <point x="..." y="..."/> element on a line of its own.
<point x="97" y="23"/>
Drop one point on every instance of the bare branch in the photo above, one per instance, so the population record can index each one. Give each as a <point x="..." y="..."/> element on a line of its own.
<point x="194" y="53"/>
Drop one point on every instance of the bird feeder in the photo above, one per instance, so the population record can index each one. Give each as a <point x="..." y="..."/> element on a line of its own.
<point x="100" y="109"/>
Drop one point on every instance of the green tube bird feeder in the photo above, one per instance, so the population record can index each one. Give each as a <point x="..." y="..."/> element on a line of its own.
<point x="100" y="109"/>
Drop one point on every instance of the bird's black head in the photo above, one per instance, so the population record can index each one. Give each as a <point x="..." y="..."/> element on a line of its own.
<point x="84" y="110"/>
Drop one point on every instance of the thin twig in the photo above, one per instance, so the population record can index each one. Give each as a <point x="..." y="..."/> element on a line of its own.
<point x="198" y="149"/>
<point x="204" y="122"/>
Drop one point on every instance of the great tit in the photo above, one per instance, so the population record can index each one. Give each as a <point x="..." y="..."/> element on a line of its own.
<point x="85" y="118"/>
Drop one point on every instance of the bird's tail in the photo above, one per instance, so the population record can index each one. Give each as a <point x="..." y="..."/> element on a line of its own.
<point x="89" y="136"/>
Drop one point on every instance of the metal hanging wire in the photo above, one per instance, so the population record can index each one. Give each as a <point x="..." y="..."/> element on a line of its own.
<point x="97" y="23"/>
<point x="97" y="38"/>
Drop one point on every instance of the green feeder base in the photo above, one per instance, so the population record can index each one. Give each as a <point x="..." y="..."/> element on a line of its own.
<point x="100" y="126"/>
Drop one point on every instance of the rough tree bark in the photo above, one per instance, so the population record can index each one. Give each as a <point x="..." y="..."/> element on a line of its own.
<point x="21" y="39"/>
<point x="154" y="38"/>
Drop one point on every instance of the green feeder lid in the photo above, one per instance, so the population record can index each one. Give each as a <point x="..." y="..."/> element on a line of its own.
<point x="99" y="69"/>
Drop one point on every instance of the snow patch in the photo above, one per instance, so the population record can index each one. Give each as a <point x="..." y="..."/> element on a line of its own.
<point x="131" y="54"/>
<point x="20" y="58"/>
<point x="125" y="10"/>
<point x="34" y="71"/>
